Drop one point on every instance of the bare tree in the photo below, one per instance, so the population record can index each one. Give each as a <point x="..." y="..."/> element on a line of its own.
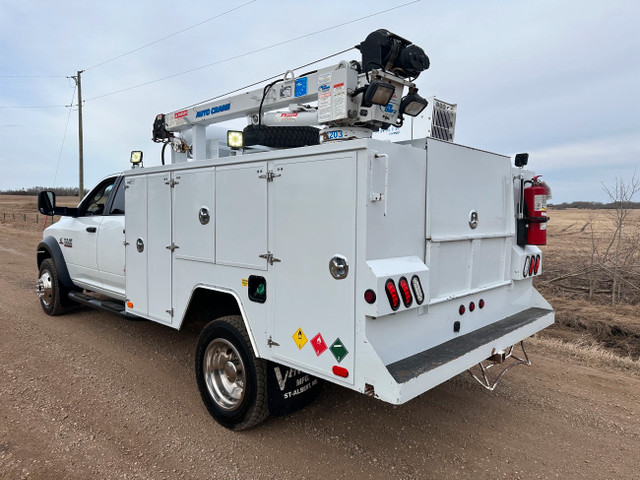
<point x="621" y="252"/>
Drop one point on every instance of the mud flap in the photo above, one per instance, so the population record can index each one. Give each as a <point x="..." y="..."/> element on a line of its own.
<point x="290" y="389"/>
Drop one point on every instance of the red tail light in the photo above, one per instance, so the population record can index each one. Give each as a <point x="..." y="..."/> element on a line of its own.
<point x="405" y="291"/>
<point x="461" y="310"/>
<point x="537" y="267"/>
<point x="472" y="307"/>
<point x="392" y="294"/>
<point x="532" y="264"/>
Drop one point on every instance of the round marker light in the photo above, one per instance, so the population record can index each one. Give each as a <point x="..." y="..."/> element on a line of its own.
<point x="472" y="307"/>
<point x="481" y="303"/>
<point x="461" y="310"/>
<point x="525" y="270"/>
<point x="417" y="289"/>
<point x="369" y="296"/>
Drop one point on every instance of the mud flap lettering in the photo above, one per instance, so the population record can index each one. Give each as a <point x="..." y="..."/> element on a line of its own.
<point x="290" y="389"/>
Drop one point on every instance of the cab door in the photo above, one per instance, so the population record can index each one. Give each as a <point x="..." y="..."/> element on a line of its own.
<point x="80" y="243"/>
<point x="110" y="246"/>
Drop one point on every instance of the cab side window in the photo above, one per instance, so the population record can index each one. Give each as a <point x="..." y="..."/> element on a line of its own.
<point x="96" y="202"/>
<point x="117" y="207"/>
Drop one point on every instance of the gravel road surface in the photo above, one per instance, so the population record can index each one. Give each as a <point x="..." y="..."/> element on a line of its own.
<point x="91" y="395"/>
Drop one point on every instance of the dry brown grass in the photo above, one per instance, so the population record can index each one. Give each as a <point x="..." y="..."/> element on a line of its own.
<point x="585" y="353"/>
<point x="589" y="329"/>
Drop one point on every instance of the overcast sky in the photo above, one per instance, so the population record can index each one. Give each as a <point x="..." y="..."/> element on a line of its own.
<point x="559" y="80"/>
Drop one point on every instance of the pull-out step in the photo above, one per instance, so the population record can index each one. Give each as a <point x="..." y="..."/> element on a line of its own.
<point x="424" y="362"/>
<point x="110" y="305"/>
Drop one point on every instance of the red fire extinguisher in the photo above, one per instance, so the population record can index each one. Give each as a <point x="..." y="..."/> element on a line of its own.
<point x="535" y="199"/>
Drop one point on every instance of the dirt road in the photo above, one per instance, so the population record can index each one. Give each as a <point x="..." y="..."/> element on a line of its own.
<point x="91" y="395"/>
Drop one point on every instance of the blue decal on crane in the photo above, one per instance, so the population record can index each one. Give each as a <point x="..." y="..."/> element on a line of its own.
<point x="214" y="110"/>
<point x="301" y="87"/>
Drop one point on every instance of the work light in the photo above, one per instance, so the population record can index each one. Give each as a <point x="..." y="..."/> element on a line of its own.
<point x="412" y="104"/>
<point x="234" y="139"/>
<point x="378" y="93"/>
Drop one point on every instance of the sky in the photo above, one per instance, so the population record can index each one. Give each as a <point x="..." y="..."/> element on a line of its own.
<point x="557" y="79"/>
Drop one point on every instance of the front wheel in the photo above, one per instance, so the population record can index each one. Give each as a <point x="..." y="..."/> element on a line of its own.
<point x="231" y="380"/>
<point x="50" y="291"/>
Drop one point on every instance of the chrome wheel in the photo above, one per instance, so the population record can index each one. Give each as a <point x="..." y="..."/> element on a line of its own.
<point x="45" y="288"/>
<point x="224" y="374"/>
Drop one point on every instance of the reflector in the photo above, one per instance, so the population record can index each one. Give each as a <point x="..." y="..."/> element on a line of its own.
<point x="340" y="371"/>
<point x="369" y="296"/>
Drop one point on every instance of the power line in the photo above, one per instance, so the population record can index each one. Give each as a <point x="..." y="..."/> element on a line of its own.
<point x="64" y="136"/>
<point x="168" y="36"/>
<point x="270" y="78"/>
<point x="252" y="51"/>
<point x="32" y="76"/>
<point x="32" y="106"/>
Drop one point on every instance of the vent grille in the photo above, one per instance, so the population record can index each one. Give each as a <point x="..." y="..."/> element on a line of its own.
<point x="443" y="120"/>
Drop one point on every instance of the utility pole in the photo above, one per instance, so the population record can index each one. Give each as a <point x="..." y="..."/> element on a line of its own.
<point x="80" y="139"/>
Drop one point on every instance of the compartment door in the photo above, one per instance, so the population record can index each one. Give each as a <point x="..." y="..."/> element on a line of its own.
<point x="312" y="218"/>
<point x="148" y="261"/>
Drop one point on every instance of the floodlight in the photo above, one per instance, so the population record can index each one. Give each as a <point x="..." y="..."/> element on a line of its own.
<point x="136" y="157"/>
<point x="234" y="139"/>
<point x="412" y="104"/>
<point x="378" y="93"/>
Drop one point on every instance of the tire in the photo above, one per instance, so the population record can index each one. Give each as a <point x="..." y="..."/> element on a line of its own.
<point x="280" y="137"/>
<point x="51" y="293"/>
<point x="231" y="380"/>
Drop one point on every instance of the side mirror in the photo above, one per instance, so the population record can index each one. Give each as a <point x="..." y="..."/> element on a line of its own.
<point x="46" y="202"/>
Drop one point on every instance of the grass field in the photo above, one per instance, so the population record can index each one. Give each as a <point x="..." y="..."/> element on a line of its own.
<point x="589" y="323"/>
<point x="591" y="326"/>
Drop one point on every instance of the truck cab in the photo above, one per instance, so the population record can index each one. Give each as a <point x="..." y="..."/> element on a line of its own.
<point x="91" y="240"/>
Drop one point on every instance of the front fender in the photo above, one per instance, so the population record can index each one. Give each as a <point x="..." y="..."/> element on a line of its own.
<point x="49" y="248"/>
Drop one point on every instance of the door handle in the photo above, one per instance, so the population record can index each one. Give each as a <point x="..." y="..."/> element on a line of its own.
<point x="91" y="229"/>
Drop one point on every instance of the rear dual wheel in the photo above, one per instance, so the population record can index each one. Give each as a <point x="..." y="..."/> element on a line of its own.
<point x="231" y="380"/>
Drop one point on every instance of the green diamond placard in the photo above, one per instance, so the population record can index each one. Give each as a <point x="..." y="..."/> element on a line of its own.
<point x="339" y="350"/>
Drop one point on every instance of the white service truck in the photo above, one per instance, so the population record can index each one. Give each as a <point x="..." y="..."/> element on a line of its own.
<point x="312" y="253"/>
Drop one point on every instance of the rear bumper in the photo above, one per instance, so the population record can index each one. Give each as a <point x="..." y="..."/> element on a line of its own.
<point x="420" y="372"/>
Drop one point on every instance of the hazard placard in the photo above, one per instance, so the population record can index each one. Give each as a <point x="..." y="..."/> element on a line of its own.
<point x="300" y="338"/>
<point x="339" y="350"/>
<point x="318" y="344"/>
